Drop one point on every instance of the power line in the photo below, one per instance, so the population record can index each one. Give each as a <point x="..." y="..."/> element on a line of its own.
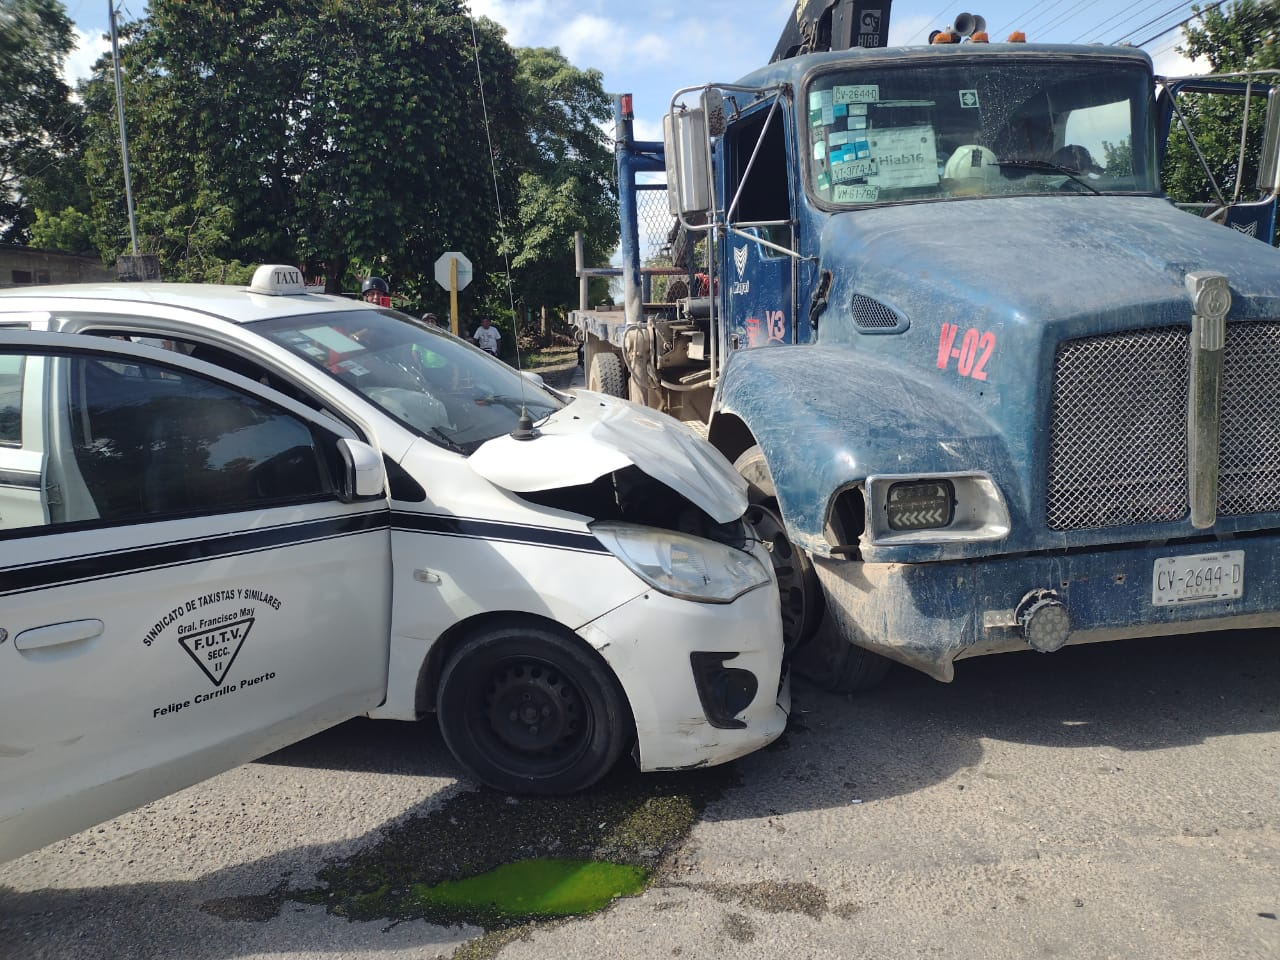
<point x="1095" y="30"/>
<point x="1172" y="10"/>
<point x="1182" y="23"/>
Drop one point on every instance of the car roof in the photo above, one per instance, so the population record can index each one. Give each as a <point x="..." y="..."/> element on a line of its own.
<point x="234" y="303"/>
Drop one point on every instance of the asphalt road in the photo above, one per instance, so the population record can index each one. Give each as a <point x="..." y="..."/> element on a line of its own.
<point x="1113" y="801"/>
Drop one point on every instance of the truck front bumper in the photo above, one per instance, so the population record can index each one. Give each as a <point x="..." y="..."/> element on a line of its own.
<point x="683" y="667"/>
<point x="928" y="615"/>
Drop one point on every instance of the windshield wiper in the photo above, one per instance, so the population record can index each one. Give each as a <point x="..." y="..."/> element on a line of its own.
<point x="1048" y="166"/>
<point x="446" y="440"/>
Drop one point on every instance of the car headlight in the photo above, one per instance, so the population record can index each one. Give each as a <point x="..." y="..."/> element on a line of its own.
<point x="682" y="566"/>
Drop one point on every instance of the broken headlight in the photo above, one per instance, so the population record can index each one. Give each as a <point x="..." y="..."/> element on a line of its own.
<point x="683" y="566"/>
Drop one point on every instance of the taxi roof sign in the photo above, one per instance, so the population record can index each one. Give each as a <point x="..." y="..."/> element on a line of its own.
<point x="278" y="280"/>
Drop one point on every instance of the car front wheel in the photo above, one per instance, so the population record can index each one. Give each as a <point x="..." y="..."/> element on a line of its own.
<point x="526" y="709"/>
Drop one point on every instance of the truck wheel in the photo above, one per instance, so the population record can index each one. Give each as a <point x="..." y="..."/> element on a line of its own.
<point x="527" y="710"/>
<point x="830" y="661"/>
<point x="607" y="375"/>
<point x="798" y="589"/>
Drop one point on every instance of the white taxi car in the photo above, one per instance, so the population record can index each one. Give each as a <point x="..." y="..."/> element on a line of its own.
<point x="232" y="517"/>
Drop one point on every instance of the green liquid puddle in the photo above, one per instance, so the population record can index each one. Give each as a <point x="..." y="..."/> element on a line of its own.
<point x="528" y="889"/>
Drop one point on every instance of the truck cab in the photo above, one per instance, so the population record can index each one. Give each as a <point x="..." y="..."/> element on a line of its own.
<point x="991" y="389"/>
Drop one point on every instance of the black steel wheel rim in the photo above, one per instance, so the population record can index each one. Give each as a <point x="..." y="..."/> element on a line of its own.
<point x="532" y="718"/>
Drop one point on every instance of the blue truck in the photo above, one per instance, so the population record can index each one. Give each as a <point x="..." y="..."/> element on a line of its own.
<point x="990" y="389"/>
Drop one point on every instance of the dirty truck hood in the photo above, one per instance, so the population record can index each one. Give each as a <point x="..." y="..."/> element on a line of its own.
<point x="595" y="435"/>
<point x="1040" y="257"/>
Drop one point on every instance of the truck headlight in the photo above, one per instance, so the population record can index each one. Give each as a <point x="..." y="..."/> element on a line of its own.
<point x="683" y="566"/>
<point x="935" y="508"/>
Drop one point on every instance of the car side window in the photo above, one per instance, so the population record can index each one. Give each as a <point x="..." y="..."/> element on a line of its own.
<point x="11" y="400"/>
<point x="132" y="441"/>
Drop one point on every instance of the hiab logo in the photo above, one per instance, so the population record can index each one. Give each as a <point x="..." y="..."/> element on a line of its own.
<point x="1248" y="229"/>
<point x="740" y="259"/>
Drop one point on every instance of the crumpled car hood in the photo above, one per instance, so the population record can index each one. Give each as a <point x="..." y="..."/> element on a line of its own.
<point x="595" y="435"/>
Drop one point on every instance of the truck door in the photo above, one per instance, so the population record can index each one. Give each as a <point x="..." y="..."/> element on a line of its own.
<point x="758" y="281"/>
<point x="182" y="598"/>
<point x="1218" y="151"/>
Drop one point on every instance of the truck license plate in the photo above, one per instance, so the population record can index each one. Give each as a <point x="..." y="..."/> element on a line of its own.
<point x="1198" y="579"/>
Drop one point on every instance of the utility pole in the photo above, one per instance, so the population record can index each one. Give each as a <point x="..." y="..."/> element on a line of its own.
<point x="124" y="140"/>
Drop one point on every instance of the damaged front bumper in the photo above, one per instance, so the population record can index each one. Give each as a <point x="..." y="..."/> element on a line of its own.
<point x="687" y="668"/>
<point x="928" y="615"/>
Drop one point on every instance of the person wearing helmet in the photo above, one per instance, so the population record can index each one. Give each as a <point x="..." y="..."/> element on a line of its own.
<point x="375" y="290"/>
<point x="431" y="318"/>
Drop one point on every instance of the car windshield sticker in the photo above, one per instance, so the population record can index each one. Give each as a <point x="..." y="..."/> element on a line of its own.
<point x="969" y="99"/>
<point x="335" y="340"/>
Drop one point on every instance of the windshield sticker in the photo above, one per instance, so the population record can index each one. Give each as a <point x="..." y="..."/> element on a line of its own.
<point x="353" y="368"/>
<point x="969" y="99"/>
<point x="905" y="157"/>
<point x="211" y="629"/>
<point x="858" y="93"/>
<point x="860" y="193"/>
<point x="819" y="149"/>
<point x="335" y="340"/>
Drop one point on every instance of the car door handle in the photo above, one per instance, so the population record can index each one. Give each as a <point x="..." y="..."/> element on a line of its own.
<point x="57" y="633"/>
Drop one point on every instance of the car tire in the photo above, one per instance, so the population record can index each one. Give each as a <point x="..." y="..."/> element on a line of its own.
<point x="607" y="375"/>
<point x="799" y="593"/>
<point x="526" y="709"/>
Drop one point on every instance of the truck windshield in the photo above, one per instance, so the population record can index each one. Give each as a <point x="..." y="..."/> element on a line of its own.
<point x="438" y="386"/>
<point x="990" y="126"/>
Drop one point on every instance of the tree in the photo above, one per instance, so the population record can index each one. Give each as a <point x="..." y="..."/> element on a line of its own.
<point x="1239" y="37"/>
<point x="566" y="178"/>
<point x="39" y="125"/>
<point x="307" y="131"/>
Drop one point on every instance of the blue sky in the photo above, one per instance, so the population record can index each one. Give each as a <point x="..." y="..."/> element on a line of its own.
<point x="652" y="47"/>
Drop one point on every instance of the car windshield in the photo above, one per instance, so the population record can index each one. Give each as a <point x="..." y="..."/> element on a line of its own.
<point x="437" y="385"/>
<point x="979" y="128"/>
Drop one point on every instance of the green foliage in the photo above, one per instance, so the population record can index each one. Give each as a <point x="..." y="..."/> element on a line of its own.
<point x="39" y="126"/>
<point x="323" y="133"/>
<point x="1238" y="37"/>
<point x="70" y="231"/>
<point x="566" y="179"/>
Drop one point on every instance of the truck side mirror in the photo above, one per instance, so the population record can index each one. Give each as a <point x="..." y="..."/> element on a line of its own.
<point x="362" y="477"/>
<point x="685" y="138"/>
<point x="1269" y="161"/>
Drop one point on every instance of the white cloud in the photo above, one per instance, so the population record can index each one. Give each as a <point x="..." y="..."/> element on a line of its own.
<point x="79" y="63"/>
<point x="525" y="20"/>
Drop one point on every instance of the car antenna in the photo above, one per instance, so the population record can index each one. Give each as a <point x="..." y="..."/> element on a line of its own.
<point x="525" y="429"/>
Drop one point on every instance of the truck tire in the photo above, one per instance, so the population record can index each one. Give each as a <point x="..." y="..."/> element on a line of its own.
<point x="820" y="653"/>
<point x="799" y="594"/>
<point x="526" y="709"/>
<point x="831" y="662"/>
<point x="607" y="375"/>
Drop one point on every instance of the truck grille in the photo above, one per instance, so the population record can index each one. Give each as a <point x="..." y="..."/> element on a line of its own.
<point x="1249" y="459"/>
<point x="1118" y="440"/>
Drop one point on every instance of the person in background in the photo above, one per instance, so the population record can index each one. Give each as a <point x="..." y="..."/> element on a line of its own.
<point x="431" y="318"/>
<point x="375" y="290"/>
<point x="487" y="336"/>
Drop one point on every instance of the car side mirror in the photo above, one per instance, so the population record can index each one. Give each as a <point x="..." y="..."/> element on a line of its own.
<point x="363" y="477"/>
